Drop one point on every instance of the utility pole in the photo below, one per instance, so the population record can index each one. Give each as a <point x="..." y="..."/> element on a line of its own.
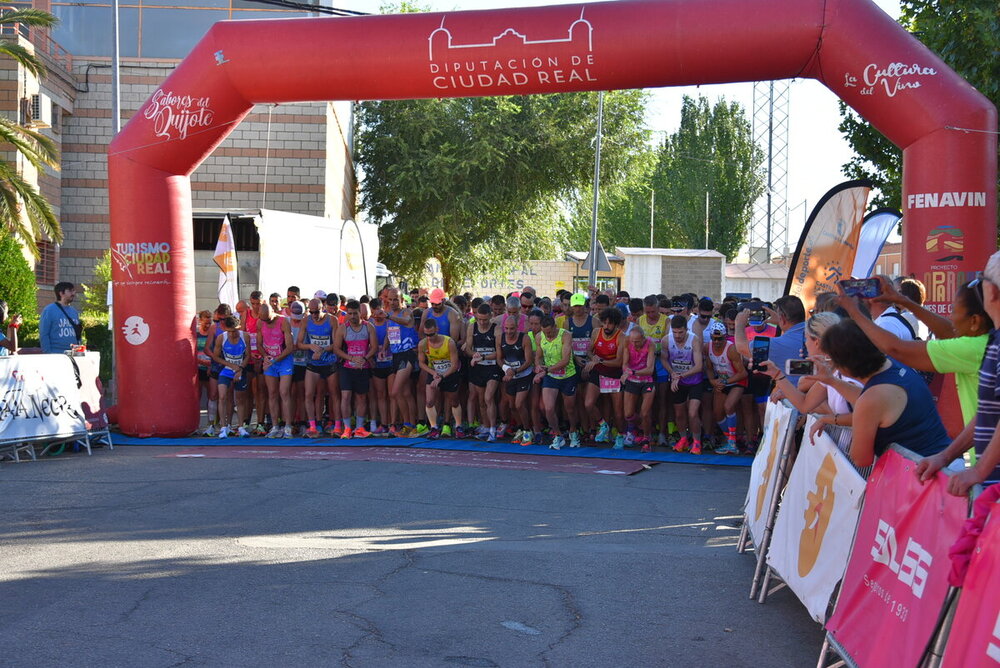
<point x="592" y="274"/>
<point x="706" y="219"/>
<point x="652" y="203"/>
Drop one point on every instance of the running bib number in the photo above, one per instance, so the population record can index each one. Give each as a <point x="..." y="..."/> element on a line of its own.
<point x="484" y="352"/>
<point x="233" y="359"/>
<point x="682" y="367"/>
<point x="442" y="366"/>
<point x="322" y="341"/>
<point x="383" y="356"/>
<point x="395" y="336"/>
<point x="609" y="385"/>
<point x="580" y="347"/>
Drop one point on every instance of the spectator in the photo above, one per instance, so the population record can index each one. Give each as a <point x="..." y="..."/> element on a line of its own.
<point x="895" y="405"/>
<point x="916" y="293"/>
<point x="888" y="317"/>
<point x="8" y="341"/>
<point x="789" y="315"/>
<point x="60" y="327"/>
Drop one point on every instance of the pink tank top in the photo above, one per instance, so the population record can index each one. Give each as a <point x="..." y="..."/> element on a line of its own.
<point x="273" y="336"/>
<point x="637" y="361"/>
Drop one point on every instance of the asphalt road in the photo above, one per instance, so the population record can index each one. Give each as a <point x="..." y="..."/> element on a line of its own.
<point x="129" y="559"/>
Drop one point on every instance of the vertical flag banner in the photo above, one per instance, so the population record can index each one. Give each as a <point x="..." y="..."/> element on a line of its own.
<point x="897" y="576"/>
<point x="764" y="470"/>
<point x="815" y="526"/>
<point x="974" y="639"/>
<point x="829" y="242"/>
<point x="875" y="229"/>
<point x="225" y="257"/>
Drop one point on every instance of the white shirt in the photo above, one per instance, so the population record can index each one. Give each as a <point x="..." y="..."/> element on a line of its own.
<point x="892" y="324"/>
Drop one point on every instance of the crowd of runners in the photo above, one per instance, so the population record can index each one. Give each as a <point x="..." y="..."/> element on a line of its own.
<point x="679" y="372"/>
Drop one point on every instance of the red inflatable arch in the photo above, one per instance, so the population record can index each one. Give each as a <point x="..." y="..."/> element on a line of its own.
<point x="943" y="125"/>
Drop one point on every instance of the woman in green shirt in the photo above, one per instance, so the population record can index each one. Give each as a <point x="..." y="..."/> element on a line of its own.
<point x="959" y="342"/>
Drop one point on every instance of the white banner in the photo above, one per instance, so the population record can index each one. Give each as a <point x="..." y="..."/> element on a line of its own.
<point x="225" y="258"/>
<point x="39" y="398"/>
<point x="815" y="526"/>
<point x="764" y="471"/>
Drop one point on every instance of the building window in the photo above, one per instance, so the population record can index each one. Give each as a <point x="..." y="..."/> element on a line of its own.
<point x="47" y="265"/>
<point x="206" y="233"/>
<point x="895" y="269"/>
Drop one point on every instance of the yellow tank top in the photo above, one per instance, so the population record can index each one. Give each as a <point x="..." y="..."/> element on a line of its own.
<point x="654" y="332"/>
<point x="439" y="358"/>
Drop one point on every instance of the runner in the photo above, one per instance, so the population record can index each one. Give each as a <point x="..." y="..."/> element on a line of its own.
<point x="728" y="377"/>
<point x="556" y="371"/>
<point x="202" y="328"/>
<point x="654" y="325"/>
<point x="402" y="338"/>
<point x="222" y="311"/>
<point x="316" y="340"/>
<point x="682" y="353"/>
<point x="356" y="344"/>
<point x="603" y="371"/>
<point x="231" y="353"/>
<point x="481" y="349"/>
<point x="515" y="359"/>
<point x="381" y="371"/>
<point x="580" y="324"/>
<point x="637" y="380"/>
<point x="274" y="340"/>
<point x="296" y="314"/>
<point x="255" y="370"/>
<point x="438" y="357"/>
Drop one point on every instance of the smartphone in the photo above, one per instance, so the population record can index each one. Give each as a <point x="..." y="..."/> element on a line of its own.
<point x="757" y="317"/>
<point x="744" y="306"/>
<point x="799" y="367"/>
<point x="866" y="288"/>
<point x="760" y="350"/>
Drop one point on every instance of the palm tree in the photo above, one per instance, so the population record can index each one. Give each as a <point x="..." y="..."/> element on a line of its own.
<point x="24" y="213"/>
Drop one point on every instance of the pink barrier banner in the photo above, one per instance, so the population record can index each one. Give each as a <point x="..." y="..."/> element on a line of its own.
<point x="897" y="576"/>
<point x="975" y="632"/>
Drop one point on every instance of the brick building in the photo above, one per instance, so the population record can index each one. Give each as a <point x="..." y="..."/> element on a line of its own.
<point x="290" y="157"/>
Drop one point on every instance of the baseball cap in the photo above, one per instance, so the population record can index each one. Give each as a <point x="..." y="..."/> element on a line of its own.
<point x="297" y="310"/>
<point x="578" y="299"/>
<point x="319" y="294"/>
<point x="437" y="296"/>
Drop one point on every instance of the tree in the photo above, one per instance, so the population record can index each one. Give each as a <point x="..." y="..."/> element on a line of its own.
<point x="476" y="182"/>
<point x="711" y="152"/>
<point x="24" y="213"/>
<point x="17" y="281"/>
<point x="965" y="34"/>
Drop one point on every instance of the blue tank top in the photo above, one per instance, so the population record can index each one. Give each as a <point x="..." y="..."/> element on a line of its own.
<point x="919" y="427"/>
<point x="401" y="338"/>
<point x="232" y="353"/>
<point x="580" y="335"/>
<point x="320" y="334"/>
<point x="382" y="361"/>
<point x="443" y="321"/>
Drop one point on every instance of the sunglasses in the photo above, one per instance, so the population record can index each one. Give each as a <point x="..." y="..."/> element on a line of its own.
<point x="976" y="285"/>
<point x="314" y="312"/>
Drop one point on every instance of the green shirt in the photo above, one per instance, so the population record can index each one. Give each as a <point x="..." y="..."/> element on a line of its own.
<point x="961" y="356"/>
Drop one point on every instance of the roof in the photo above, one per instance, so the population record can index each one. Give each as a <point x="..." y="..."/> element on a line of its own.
<point x="580" y="256"/>
<point x="670" y="252"/>
<point x="757" y="271"/>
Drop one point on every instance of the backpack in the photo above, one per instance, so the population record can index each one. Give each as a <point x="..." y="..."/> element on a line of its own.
<point x="928" y="376"/>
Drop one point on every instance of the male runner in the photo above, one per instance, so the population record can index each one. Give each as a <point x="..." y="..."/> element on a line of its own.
<point x="316" y="340"/>
<point x="402" y="344"/>
<point x="438" y="356"/>
<point x="356" y="344"/>
<point x="231" y="353"/>
<point x="274" y="341"/>
<point x="681" y="353"/>
<point x="484" y="374"/>
<point x="556" y="371"/>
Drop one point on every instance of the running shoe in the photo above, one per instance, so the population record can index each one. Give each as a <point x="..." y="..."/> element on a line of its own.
<point x="331" y="429"/>
<point x="619" y="442"/>
<point x="557" y="443"/>
<point x="434" y="434"/>
<point x="243" y="433"/>
<point x="603" y="434"/>
<point x="501" y="429"/>
<point x="209" y="431"/>
<point x="459" y="432"/>
<point x="539" y="439"/>
<point x="379" y="431"/>
<point x="696" y="448"/>
<point x="274" y="433"/>
<point x="682" y="444"/>
<point x="409" y="432"/>
<point x="629" y="439"/>
<point x="446" y="431"/>
<point x="287" y="433"/>
<point x="420" y="429"/>
<point x="728" y="449"/>
<point x="394" y="431"/>
<point x="662" y="439"/>
<point x="480" y="432"/>
<point x="646" y="447"/>
<point x="508" y="432"/>
<point x="361" y="432"/>
<point x="224" y="433"/>
<point x="518" y="437"/>
<point x="259" y="430"/>
<point x="574" y="439"/>
<point x="346" y="434"/>
<point x="527" y="438"/>
<point x="491" y="438"/>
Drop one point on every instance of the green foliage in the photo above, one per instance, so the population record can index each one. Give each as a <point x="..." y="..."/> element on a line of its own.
<point x="712" y="151"/>
<point x="17" y="281"/>
<point x="96" y="296"/>
<point x="963" y="33"/>
<point x="475" y="182"/>
<point x="19" y="199"/>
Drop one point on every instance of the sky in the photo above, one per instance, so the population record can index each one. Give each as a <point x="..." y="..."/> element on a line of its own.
<point x="816" y="149"/>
